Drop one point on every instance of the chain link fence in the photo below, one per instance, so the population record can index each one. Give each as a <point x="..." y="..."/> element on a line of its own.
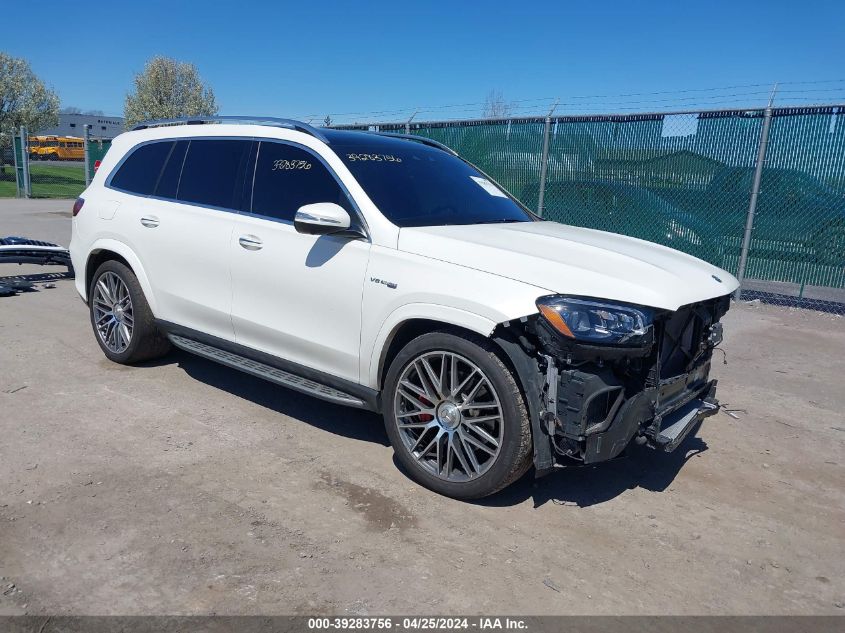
<point x="758" y="192"/>
<point x="36" y="166"/>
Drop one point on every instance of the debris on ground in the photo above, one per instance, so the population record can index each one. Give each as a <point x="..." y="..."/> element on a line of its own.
<point x="551" y="584"/>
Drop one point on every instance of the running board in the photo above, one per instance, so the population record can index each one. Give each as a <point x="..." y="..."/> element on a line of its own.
<point x="261" y="370"/>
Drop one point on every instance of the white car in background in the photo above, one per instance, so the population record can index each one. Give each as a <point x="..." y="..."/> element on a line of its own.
<point x="384" y="272"/>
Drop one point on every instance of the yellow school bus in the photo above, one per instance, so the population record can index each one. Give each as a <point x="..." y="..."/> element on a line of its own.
<point x="56" y="148"/>
<point x="36" y="145"/>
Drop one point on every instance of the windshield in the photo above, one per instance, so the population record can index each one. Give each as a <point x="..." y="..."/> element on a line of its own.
<point x="416" y="185"/>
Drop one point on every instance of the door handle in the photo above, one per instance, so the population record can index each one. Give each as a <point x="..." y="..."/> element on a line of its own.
<point x="150" y="221"/>
<point x="250" y="242"/>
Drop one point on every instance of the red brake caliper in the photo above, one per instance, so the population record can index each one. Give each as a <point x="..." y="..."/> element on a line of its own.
<point x="425" y="417"/>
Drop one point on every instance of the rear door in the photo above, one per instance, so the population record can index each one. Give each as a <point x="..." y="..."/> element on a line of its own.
<point x="182" y="228"/>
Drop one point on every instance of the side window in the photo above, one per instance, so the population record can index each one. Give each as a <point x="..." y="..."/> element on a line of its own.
<point x="140" y="171"/>
<point x="168" y="183"/>
<point x="287" y="177"/>
<point x="213" y="172"/>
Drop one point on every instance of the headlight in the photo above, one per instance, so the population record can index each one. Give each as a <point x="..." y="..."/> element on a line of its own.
<point x="596" y="322"/>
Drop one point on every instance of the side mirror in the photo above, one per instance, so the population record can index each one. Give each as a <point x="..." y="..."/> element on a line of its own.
<point x="321" y="218"/>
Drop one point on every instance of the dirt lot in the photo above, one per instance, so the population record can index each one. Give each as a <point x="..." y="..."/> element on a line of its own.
<point x="185" y="487"/>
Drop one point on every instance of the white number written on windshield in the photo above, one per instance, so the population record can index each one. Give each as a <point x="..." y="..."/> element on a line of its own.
<point x="384" y="158"/>
<point x="290" y="164"/>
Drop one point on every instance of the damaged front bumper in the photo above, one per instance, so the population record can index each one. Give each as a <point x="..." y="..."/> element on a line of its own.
<point x="678" y="425"/>
<point x="593" y="420"/>
<point x="21" y="250"/>
<point x="589" y="403"/>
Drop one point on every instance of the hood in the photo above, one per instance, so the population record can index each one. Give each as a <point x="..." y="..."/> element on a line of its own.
<point x="574" y="261"/>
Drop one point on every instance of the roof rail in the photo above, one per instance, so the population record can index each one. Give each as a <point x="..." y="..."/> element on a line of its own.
<point x="419" y="139"/>
<point x="260" y="120"/>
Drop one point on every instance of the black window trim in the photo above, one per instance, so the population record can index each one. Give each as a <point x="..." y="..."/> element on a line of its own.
<point x="256" y="139"/>
<point x="182" y="169"/>
<point x="164" y="166"/>
<point x="135" y="148"/>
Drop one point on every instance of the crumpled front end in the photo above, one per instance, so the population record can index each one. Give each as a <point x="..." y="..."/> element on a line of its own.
<point x="593" y="400"/>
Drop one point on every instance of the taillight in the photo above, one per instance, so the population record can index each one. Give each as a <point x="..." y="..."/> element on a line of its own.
<point x="77" y="206"/>
<point x="97" y="164"/>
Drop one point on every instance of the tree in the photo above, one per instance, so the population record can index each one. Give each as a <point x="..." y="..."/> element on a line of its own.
<point x="327" y="122"/>
<point x="168" y="89"/>
<point x="75" y="110"/>
<point x="24" y="99"/>
<point x="495" y="106"/>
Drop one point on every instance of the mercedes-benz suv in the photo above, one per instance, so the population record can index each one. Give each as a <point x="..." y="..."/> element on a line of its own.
<point x="385" y="272"/>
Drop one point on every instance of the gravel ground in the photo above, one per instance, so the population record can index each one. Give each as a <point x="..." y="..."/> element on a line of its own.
<point x="182" y="487"/>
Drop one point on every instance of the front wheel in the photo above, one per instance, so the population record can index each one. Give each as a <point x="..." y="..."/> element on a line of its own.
<point x="456" y="417"/>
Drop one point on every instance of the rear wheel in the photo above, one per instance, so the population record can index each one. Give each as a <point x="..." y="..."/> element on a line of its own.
<point x="456" y="416"/>
<point x="122" y="320"/>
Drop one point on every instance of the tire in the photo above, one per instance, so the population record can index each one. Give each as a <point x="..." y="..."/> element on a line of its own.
<point x="125" y="306"/>
<point x="429" y="424"/>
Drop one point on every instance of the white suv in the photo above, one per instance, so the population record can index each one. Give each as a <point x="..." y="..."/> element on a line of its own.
<point x="385" y="272"/>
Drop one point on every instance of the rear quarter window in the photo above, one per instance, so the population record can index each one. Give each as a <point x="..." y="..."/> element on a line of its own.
<point x="140" y="171"/>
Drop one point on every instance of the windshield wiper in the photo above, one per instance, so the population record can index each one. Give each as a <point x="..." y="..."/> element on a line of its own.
<point x="500" y="221"/>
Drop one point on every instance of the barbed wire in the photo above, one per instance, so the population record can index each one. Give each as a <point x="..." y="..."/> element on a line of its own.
<point x="576" y="103"/>
<point x="663" y="100"/>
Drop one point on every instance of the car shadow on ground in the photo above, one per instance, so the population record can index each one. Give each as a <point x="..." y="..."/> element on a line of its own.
<point x="585" y="486"/>
<point x="333" y="418"/>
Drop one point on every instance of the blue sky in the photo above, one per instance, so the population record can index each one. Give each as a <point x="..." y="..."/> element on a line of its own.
<point x="355" y="60"/>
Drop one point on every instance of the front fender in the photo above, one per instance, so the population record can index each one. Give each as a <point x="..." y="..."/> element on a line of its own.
<point x="115" y="246"/>
<point x="447" y="315"/>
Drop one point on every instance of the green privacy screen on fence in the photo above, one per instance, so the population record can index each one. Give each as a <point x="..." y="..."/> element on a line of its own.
<point x="684" y="180"/>
<point x="96" y="152"/>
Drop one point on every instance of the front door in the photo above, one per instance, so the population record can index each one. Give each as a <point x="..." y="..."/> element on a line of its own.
<point x="296" y="296"/>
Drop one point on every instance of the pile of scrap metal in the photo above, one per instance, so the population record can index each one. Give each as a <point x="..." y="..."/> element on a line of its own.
<point x="20" y="250"/>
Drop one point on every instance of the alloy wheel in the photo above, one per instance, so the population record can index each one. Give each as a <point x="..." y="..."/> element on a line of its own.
<point x="448" y="415"/>
<point x="114" y="318"/>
